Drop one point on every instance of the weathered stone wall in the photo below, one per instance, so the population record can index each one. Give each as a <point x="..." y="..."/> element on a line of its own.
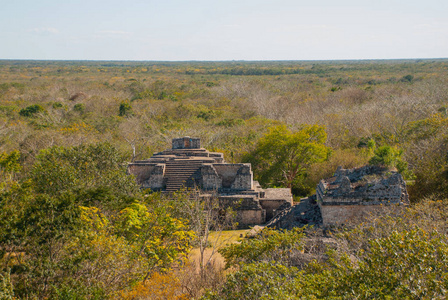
<point x="389" y="189"/>
<point x="156" y="180"/>
<point x="188" y="165"/>
<point x="209" y="178"/>
<point x="244" y="179"/>
<point x="235" y="176"/>
<point x="352" y="194"/>
<point x="247" y="207"/>
<point x="278" y="193"/>
<point x="186" y="143"/>
<point x="246" y="218"/>
<point x="360" y="185"/>
<point x="148" y="175"/>
<point x="141" y="171"/>
<point x="227" y="172"/>
<point x="320" y="191"/>
<point x="271" y="205"/>
<point x="344" y="214"/>
<point x="357" y="174"/>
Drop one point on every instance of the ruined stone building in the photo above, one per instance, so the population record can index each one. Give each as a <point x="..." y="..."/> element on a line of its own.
<point x="347" y="197"/>
<point x="190" y="166"/>
<point x="352" y="193"/>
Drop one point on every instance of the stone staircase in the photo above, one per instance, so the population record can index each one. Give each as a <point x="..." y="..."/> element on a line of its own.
<point x="178" y="171"/>
<point x="307" y="212"/>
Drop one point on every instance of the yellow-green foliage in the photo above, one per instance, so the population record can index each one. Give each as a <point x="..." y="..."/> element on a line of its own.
<point x="9" y="167"/>
<point x="73" y="225"/>
<point x="76" y="229"/>
<point x="409" y="262"/>
<point x="159" y="286"/>
<point x="282" y="157"/>
<point x="270" y="245"/>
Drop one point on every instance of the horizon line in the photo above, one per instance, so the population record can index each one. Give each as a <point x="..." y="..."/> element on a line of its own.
<point x="232" y="60"/>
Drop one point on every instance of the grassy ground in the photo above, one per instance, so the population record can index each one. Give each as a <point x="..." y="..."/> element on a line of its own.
<point x="228" y="236"/>
<point x="225" y="237"/>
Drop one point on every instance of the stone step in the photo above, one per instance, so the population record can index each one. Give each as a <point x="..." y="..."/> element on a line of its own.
<point x="174" y="182"/>
<point x="182" y="170"/>
<point x="183" y="161"/>
<point x="178" y="172"/>
<point x="178" y="179"/>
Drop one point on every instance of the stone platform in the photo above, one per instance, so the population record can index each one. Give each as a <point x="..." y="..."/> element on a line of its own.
<point x="187" y="165"/>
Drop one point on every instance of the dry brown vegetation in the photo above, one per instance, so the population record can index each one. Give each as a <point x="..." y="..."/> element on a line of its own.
<point x="228" y="105"/>
<point x="128" y="110"/>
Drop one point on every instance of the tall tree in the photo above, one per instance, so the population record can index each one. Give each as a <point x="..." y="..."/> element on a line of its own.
<point x="282" y="157"/>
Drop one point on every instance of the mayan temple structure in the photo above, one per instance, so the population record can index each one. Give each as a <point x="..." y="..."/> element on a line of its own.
<point x="187" y="165"/>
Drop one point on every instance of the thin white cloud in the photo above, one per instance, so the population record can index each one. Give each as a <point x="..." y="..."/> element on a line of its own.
<point x="423" y="26"/>
<point x="301" y="28"/>
<point x="431" y="28"/>
<point x="112" y="34"/>
<point x="44" y="30"/>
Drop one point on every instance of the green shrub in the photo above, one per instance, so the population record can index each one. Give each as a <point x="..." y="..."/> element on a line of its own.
<point x="31" y="110"/>
<point x="79" y="107"/>
<point x="125" y="109"/>
<point x="407" y="78"/>
<point x="410" y="264"/>
<point x="391" y="157"/>
<point x="57" y="105"/>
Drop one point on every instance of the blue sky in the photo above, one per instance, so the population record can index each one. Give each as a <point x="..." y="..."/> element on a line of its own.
<point x="223" y="29"/>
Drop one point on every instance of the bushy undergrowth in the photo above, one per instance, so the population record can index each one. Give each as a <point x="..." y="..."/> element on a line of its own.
<point x="399" y="256"/>
<point x="139" y="107"/>
<point x="73" y="225"/>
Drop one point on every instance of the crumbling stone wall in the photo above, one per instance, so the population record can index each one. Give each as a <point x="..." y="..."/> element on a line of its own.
<point x="235" y="176"/>
<point x="355" y="193"/>
<point x="275" y="198"/>
<point x="271" y="205"/>
<point x="156" y="179"/>
<point x="243" y="179"/>
<point x="352" y="214"/>
<point x="148" y="175"/>
<point x="247" y="207"/>
<point x="210" y="179"/>
<point x="186" y="143"/>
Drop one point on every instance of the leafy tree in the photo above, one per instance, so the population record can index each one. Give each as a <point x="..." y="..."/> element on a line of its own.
<point x="76" y="250"/>
<point x="407" y="78"/>
<point x="83" y="227"/>
<point x="387" y="156"/>
<point x="282" y="157"/>
<point x="60" y="169"/>
<point x="159" y="238"/>
<point x="427" y="151"/>
<point x="38" y="228"/>
<point x="262" y="280"/>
